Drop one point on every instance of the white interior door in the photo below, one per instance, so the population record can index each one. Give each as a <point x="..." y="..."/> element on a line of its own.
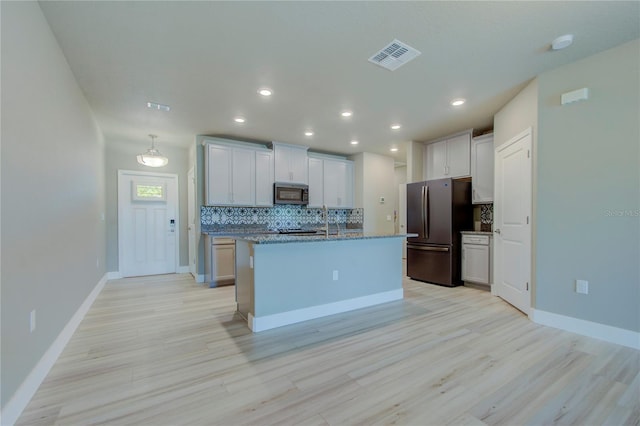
<point x="147" y="223"/>
<point x="191" y="225"/>
<point x="512" y="221"/>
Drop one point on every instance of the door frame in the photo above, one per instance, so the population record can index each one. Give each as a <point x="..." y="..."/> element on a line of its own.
<point x="122" y="173"/>
<point x="528" y="132"/>
<point x="191" y="208"/>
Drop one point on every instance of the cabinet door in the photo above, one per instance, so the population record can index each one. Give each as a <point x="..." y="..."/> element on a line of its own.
<point x="224" y="258"/>
<point x="347" y="195"/>
<point x="475" y="263"/>
<point x="333" y="180"/>
<point x="281" y="162"/>
<point x="243" y="177"/>
<point x="435" y="160"/>
<point x="458" y="156"/>
<point x="264" y="178"/>
<point x="298" y="165"/>
<point x="219" y="190"/>
<point x="316" y="183"/>
<point x="482" y="154"/>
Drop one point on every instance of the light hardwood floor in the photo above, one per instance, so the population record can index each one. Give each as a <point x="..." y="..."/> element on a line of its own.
<point x="165" y="351"/>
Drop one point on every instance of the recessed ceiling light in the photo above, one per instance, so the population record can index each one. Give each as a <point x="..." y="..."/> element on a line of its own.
<point x="308" y="133"/>
<point x="562" y="42"/>
<point x="239" y="120"/>
<point x="354" y="142"/>
<point x="458" y="102"/>
<point x="395" y="126"/>
<point x="346" y="113"/>
<point x="393" y="149"/>
<point x="159" y="107"/>
<point x="265" y="92"/>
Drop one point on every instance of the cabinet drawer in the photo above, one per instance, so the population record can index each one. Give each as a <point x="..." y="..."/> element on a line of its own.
<point x="475" y="239"/>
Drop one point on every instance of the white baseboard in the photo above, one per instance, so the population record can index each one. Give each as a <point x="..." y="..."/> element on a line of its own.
<point x="114" y="275"/>
<point x="619" y="336"/>
<point x="28" y="388"/>
<point x="268" y="322"/>
<point x="199" y="278"/>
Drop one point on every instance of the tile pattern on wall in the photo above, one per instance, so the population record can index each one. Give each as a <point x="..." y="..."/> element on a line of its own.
<point x="486" y="217"/>
<point x="278" y="217"/>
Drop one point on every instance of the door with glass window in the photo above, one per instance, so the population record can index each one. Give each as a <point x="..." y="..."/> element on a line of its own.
<point x="147" y="223"/>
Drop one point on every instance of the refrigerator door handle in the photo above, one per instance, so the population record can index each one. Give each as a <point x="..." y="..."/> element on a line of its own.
<point x="427" y="248"/>
<point x="426" y="214"/>
<point x="424" y="230"/>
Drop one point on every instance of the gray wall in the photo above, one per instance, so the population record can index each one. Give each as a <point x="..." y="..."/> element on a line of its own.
<point x="121" y="155"/>
<point x="374" y="177"/>
<point x="53" y="235"/>
<point x="588" y="200"/>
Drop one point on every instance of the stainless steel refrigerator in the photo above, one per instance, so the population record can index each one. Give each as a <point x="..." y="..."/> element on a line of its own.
<point x="437" y="210"/>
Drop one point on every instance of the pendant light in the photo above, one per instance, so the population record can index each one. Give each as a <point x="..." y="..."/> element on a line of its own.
<point x="153" y="157"/>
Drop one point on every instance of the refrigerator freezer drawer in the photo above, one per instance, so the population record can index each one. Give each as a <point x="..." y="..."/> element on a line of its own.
<point x="432" y="264"/>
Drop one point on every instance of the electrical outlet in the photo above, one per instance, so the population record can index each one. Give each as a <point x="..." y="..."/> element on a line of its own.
<point x="335" y="275"/>
<point x="32" y="321"/>
<point x="582" y="286"/>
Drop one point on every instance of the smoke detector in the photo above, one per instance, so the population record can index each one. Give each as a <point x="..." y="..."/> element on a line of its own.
<point x="394" y="55"/>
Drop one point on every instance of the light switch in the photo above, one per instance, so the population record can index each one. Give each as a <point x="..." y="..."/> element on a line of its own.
<point x="582" y="286"/>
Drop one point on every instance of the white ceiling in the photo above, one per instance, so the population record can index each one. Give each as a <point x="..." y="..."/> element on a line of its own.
<point x="208" y="59"/>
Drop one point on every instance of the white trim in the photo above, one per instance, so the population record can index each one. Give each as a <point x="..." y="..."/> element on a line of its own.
<point x="619" y="336"/>
<point x="199" y="278"/>
<point x="114" y="275"/>
<point x="28" y="388"/>
<point x="268" y="322"/>
<point x="183" y="270"/>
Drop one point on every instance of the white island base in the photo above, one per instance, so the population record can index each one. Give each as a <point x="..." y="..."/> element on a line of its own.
<point x="285" y="282"/>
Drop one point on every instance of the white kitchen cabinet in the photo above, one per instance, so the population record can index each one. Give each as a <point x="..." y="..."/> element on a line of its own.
<point x="476" y="258"/>
<point x="448" y="157"/>
<point x="482" y="154"/>
<point x="316" y="182"/>
<point x="330" y="182"/>
<point x="291" y="163"/>
<point x="264" y="178"/>
<point x="338" y="183"/>
<point x="220" y="261"/>
<point x="230" y="175"/>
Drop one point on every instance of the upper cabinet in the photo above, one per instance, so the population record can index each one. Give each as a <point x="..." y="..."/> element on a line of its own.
<point x="330" y="182"/>
<point x="264" y="178"/>
<point x="238" y="174"/>
<point x="482" y="154"/>
<point x="230" y="175"/>
<point x="316" y="182"/>
<point x="448" y="157"/>
<point x="290" y="163"/>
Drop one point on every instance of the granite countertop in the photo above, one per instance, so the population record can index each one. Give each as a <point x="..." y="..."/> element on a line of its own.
<point x="285" y="238"/>
<point x="476" y="232"/>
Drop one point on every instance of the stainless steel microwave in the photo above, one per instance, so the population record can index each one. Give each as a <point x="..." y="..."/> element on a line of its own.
<point x="290" y="193"/>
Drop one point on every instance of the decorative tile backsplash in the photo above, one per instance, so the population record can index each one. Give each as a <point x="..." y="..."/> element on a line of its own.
<point x="486" y="217"/>
<point x="278" y="217"/>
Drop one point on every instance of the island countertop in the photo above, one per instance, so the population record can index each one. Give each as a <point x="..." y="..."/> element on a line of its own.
<point x="313" y="238"/>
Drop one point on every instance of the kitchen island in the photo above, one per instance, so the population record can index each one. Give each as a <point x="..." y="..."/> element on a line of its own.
<point x="285" y="279"/>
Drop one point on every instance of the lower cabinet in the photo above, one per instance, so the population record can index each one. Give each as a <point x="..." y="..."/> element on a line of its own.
<point x="220" y="261"/>
<point x="476" y="259"/>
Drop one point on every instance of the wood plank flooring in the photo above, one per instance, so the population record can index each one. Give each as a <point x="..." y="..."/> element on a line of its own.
<point x="166" y="351"/>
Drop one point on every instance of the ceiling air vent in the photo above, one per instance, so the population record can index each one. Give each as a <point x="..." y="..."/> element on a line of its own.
<point x="394" y="55"/>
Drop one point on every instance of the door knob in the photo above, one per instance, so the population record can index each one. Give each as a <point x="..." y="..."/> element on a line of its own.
<point x="497" y="231"/>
